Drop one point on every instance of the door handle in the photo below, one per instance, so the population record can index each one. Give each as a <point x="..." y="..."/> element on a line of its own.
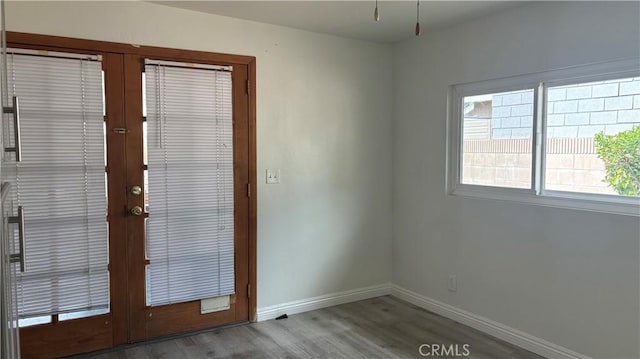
<point x="15" y="110"/>
<point x="136" y="211"/>
<point x="136" y="190"/>
<point x="19" y="220"/>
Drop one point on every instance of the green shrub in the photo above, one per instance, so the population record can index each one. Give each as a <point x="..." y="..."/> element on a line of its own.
<point x="621" y="156"/>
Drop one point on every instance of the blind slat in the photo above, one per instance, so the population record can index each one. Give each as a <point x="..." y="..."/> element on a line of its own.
<point x="60" y="183"/>
<point x="190" y="230"/>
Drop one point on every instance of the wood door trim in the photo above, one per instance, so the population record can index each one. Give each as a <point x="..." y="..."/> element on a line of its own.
<point x="253" y="198"/>
<point x="161" y="53"/>
<point x="182" y="318"/>
<point x="109" y="49"/>
<point x="118" y="274"/>
<point x="65" y="338"/>
<point x="241" y="160"/>
<point x="135" y="176"/>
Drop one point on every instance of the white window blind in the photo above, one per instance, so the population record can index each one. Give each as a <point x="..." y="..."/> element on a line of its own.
<point x="60" y="182"/>
<point x="190" y="229"/>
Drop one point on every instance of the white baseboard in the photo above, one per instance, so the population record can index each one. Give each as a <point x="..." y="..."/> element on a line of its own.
<point x="500" y="331"/>
<point x="323" y="301"/>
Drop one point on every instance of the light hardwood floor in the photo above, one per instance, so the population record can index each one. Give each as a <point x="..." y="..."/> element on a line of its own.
<point x="383" y="327"/>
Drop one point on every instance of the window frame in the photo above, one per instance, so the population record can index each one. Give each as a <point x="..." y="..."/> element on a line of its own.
<point x="537" y="194"/>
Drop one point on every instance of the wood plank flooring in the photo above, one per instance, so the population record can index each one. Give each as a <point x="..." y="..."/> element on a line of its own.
<point x="383" y="327"/>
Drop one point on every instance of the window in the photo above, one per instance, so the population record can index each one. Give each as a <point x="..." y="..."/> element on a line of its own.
<point x="566" y="138"/>
<point x="497" y="133"/>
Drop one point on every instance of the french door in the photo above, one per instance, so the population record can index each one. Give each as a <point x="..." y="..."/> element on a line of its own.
<point x="188" y="148"/>
<point x="157" y="179"/>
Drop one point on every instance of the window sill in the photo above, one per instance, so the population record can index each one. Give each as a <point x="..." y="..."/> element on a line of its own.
<point x="627" y="206"/>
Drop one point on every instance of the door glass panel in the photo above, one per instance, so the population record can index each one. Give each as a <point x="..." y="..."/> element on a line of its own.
<point x="146" y="191"/>
<point x="60" y="184"/>
<point x="144" y="95"/>
<point x="82" y="314"/>
<point x="190" y="238"/>
<point x="29" y="322"/>
<point x="145" y="156"/>
<point x="144" y="143"/>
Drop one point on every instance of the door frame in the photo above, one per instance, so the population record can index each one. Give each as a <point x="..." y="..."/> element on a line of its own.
<point x="114" y="55"/>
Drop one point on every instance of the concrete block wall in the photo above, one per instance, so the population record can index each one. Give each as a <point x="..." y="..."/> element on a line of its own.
<point x="497" y="169"/>
<point x="576" y="173"/>
<point x="571" y="164"/>
<point x="512" y="115"/>
<point x="574" y="111"/>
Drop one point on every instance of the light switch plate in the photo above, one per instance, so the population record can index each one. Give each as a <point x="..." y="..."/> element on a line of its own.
<point x="273" y="176"/>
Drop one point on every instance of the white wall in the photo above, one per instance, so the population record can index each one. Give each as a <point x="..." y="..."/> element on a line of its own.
<point x="566" y="276"/>
<point x="324" y="119"/>
<point x="324" y="115"/>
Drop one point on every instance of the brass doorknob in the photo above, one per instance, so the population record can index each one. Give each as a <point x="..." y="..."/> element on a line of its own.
<point x="136" y="190"/>
<point x="136" y="210"/>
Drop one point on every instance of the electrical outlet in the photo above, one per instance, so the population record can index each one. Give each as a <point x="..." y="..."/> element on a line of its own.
<point x="453" y="283"/>
<point x="273" y="176"/>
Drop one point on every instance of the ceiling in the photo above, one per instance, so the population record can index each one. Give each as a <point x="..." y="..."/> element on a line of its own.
<point x="353" y="19"/>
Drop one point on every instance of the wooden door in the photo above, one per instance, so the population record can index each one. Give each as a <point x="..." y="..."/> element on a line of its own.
<point x="129" y="318"/>
<point x="149" y="321"/>
<point x="60" y="333"/>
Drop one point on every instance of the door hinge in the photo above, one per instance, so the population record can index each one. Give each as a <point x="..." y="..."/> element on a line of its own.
<point x="248" y="87"/>
<point x="248" y="290"/>
<point x="248" y="189"/>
